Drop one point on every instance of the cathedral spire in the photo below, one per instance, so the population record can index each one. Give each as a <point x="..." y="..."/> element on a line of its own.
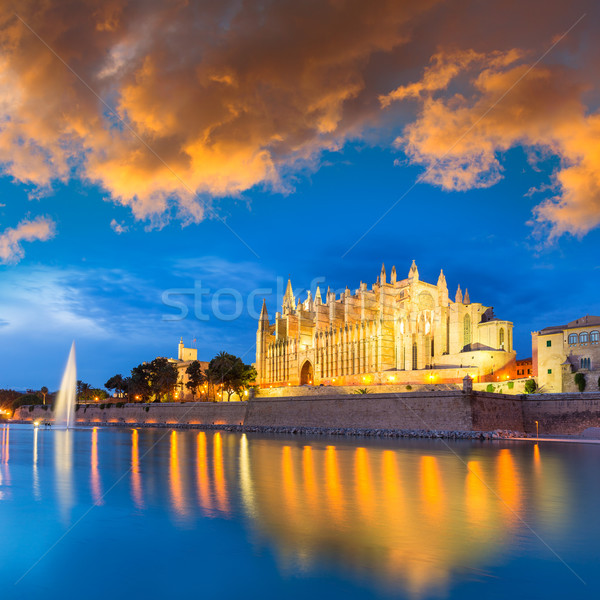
<point x="413" y="274"/>
<point x="393" y="275"/>
<point x="459" y="297"/>
<point x="264" y="315"/>
<point x="467" y="300"/>
<point x="441" y="282"/>
<point x="289" y="301"/>
<point x="318" y="299"/>
<point x="382" y="276"/>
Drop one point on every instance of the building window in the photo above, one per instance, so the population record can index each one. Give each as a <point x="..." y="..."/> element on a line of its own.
<point x="467" y="330"/>
<point x="501" y="338"/>
<point x="548" y="343"/>
<point x="549" y="371"/>
<point x="586" y="363"/>
<point x="572" y="339"/>
<point x="584" y="337"/>
<point x="414" y="356"/>
<point x="595" y="337"/>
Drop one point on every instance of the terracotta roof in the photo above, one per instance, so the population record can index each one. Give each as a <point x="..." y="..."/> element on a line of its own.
<point x="587" y="321"/>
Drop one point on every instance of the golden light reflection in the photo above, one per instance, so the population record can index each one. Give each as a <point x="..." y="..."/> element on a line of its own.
<point x="246" y="488"/>
<point x="136" y="476"/>
<point x="309" y="478"/>
<point x="364" y="484"/>
<point x="334" y="488"/>
<point x="219" y="471"/>
<point x="537" y="463"/>
<point x="508" y="483"/>
<point x="288" y="481"/>
<point x="95" y="474"/>
<point x="175" y="480"/>
<point x="431" y="486"/>
<point x="476" y="494"/>
<point x="202" y="479"/>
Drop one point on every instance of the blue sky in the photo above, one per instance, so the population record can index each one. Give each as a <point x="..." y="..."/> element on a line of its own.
<point x="105" y="290"/>
<point x="150" y="149"/>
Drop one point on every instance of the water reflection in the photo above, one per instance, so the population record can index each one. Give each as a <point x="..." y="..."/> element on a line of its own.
<point x="136" y="476"/>
<point x="63" y="471"/>
<point x="95" y="473"/>
<point x="406" y="516"/>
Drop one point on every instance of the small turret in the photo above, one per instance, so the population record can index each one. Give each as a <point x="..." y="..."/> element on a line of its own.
<point x="382" y="276"/>
<point x="289" y="302"/>
<point x="264" y="315"/>
<point x="393" y="277"/>
<point x="180" y="350"/>
<point x="441" y="282"/>
<point x="318" y="299"/>
<point x="413" y="274"/>
<point x="459" y="297"/>
<point x="467" y="300"/>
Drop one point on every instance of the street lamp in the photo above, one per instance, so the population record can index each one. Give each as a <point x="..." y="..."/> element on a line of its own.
<point x="537" y="433"/>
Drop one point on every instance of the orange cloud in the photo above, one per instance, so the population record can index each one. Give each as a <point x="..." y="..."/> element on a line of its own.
<point x="212" y="99"/>
<point x="11" y="249"/>
<point x="217" y="97"/>
<point x="460" y="137"/>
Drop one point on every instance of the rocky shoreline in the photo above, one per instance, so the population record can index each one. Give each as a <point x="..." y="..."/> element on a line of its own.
<point x="497" y="434"/>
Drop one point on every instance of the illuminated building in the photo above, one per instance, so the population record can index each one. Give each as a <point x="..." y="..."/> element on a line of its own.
<point x="398" y="331"/>
<point x="561" y="351"/>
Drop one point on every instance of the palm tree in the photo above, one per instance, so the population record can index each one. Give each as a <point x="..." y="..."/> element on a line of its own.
<point x="44" y="391"/>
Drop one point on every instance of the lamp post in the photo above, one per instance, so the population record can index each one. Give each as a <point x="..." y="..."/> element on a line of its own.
<point x="537" y="433"/>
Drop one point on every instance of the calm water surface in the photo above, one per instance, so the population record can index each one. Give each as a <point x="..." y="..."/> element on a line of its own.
<point x="122" y="513"/>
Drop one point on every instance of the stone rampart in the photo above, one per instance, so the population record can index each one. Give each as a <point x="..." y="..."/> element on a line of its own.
<point x="561" y="413"/>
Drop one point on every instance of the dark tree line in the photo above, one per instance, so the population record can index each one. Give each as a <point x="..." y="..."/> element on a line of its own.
<point x="157" y="381"/>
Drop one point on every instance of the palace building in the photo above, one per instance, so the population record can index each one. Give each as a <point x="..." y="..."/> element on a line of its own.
<point x="398" y="331"/>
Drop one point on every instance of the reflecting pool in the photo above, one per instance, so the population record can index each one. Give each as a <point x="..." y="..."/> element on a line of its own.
<point x="134" y="513"/>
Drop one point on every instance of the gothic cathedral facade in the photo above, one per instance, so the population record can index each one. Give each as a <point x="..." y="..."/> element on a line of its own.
<point x="399" y="331"/>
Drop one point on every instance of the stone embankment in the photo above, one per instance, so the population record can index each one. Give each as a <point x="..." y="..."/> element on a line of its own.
<point x="327" y="431"/>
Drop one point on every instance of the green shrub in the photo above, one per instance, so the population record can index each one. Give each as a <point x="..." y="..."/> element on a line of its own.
<point x="511" y="385"/>
<point x="31" y="408"/>
<point x="77" y="407"/>
<point x="44" y="407"/>
<point x="409" y="387"/>
<point x="361" y="391"/>
<point x="119" y="404"/>
<point x="102" y="406"/>
<point x="146" y="408"/>
<point x="490" y="387"/>
<point x="580" y="381"/>
<point x="530" y="386"/>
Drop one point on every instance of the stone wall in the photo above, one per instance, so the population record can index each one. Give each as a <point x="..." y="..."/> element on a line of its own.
<point x="446" y="410"/>
<point x="561" y="413"/>
<point x="496" y="411"/>
<point x="200" y="413"/>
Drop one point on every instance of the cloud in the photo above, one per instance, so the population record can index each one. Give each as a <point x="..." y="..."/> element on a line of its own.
<point x="38" y="229"/>
<point x="212" y="99"/>
<point x="118" y="228"/>
<point x="460" y="136"/>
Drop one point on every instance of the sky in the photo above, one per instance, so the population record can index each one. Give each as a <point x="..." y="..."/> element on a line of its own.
<point x="166" y="165"/>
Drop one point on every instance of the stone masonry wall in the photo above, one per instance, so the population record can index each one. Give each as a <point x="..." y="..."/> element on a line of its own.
<point x="561" y="413"/>
<point x="201" y="413"/>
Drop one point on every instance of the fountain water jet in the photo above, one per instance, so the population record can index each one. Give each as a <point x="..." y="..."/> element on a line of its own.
<point x="64" y="411"/>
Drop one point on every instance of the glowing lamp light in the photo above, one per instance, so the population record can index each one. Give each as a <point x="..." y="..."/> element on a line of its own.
<point x="391" y="378"/>
<point x="310" y="381"/>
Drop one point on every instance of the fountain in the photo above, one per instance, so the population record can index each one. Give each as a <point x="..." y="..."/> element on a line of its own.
<point x="64" y="411"/>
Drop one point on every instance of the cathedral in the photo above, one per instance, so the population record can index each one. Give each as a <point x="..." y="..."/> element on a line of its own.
<point x="400" y="331"/>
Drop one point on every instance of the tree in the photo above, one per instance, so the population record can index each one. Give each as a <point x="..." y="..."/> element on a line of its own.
<point x="580" y="381"/>
<point x="196" y="377"/>
<point x="156" y="379"/>
<point x="230" y="373"/>
<point x="117" y="383"/>
<point x="530" y="386"/>
<point x="44" y="392"/>
<point x="83" y="389"/>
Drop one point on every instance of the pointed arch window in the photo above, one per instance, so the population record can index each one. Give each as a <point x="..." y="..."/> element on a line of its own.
<point x="501" y="338"/>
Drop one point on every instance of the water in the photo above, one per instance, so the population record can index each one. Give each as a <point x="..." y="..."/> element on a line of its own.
<point x="64" y="413"/>
<point x="122" y="513"/>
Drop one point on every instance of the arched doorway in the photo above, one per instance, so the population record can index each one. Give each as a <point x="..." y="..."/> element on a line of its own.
<point x="306" y="373"/>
